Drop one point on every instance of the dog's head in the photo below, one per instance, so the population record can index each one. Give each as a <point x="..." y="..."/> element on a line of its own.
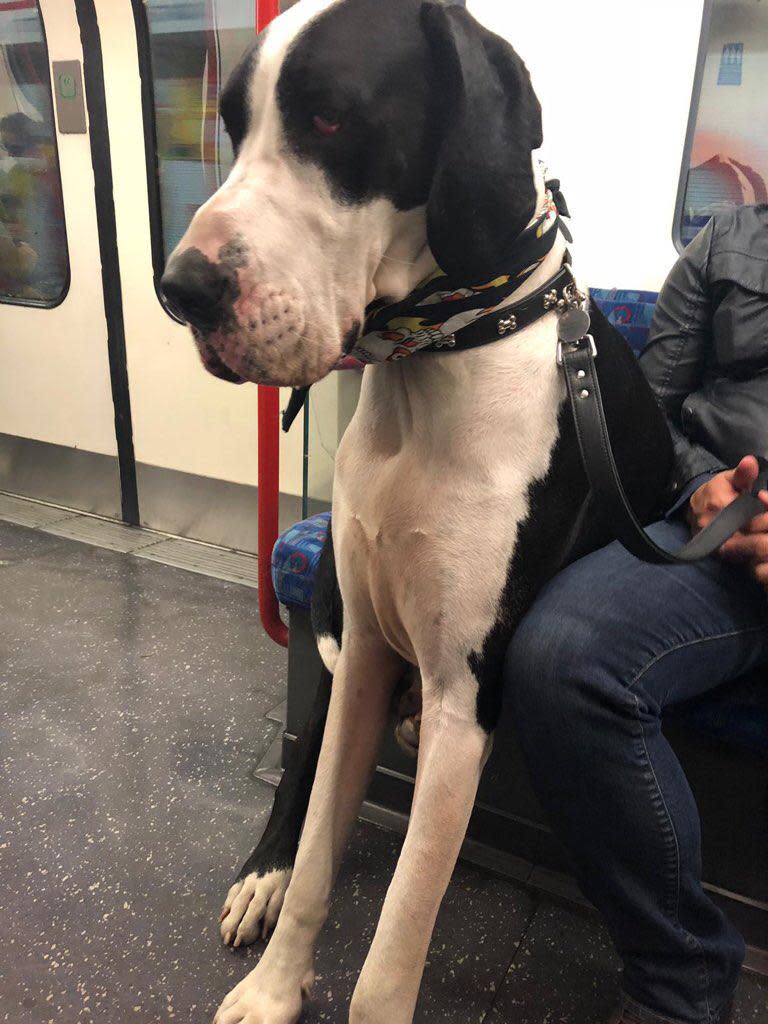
<point x="373" y="139"/>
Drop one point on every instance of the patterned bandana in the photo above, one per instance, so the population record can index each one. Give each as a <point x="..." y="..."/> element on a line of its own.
<point x="438" y="307"/>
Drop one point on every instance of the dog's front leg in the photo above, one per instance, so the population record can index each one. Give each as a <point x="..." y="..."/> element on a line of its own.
<point x="452" y="752"/>
<point x="360" y="699"/>
<point x="254" y="901"/>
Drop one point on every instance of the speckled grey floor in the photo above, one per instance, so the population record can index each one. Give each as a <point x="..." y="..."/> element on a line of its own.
<point x="132" y="703"/>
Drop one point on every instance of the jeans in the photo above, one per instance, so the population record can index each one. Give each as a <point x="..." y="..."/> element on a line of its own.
<point x="610" y="643"/>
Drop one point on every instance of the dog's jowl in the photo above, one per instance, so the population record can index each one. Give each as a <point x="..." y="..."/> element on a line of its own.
<point x="377" y="144"/>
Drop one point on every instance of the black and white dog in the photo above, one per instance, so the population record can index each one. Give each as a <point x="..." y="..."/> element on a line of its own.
<point x="376" y="141"/>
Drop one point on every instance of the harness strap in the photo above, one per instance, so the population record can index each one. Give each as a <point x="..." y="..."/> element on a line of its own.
<point x="581" y="378"/>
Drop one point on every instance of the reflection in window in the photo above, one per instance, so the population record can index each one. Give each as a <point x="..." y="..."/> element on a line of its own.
<point x="195" y="44"/>
<point x="729" y="158"/>
<point x="33" y="245"/>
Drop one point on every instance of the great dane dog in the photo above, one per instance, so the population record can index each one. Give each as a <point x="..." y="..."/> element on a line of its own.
<point x="376" y="141"/>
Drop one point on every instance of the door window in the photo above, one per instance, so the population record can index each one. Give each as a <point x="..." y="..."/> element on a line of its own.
<point x="194" y="44"/>
<point x="726" y="161"/>
<point x="34" y="266"/>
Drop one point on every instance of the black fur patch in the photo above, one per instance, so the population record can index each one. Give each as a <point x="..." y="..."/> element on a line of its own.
<point x="547" y="541"/>
<point x="233" y="105"/>
<point x="483" y="193"/>
<point x="432" y="108"/>
<point x="278" y="845"/>
<point x="327" y="607"/>
<point x="365" y="65"/>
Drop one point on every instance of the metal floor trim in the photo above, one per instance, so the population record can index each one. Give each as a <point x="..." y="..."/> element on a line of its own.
<point x="138" y="542"/>
<point x="104" y="534"/>
<point x="33" y="514"/>
<point x="233" y="566"/>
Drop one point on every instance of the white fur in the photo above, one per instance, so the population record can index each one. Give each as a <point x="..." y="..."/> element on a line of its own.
<point x="252" y="906"/>
<point x="329" y="651"/>
<point x="419" y="474"/>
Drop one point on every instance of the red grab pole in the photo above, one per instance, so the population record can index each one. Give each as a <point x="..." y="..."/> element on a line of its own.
<point x="269" y="458"/>
<point x="268" y="496"/>
<point x="266" y="10"/>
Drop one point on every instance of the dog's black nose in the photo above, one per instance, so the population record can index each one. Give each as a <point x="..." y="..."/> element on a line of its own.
<point x="195" y="289"/>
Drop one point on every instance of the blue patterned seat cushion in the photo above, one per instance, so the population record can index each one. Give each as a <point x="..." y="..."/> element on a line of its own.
<point x="630" y="312"/>
<point x="295" y="558"/>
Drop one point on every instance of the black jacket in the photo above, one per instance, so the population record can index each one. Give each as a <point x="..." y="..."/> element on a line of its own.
<point x="707" y="356"/>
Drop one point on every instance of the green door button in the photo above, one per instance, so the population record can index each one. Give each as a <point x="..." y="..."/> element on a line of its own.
<point x="67" y="78"/>
<point x="67" y="87"/>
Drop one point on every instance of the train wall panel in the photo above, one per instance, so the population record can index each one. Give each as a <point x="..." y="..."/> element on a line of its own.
<point x="615" y="83"/>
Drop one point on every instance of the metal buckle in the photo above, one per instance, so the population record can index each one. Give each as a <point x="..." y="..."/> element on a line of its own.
<point x="574" y="346"/>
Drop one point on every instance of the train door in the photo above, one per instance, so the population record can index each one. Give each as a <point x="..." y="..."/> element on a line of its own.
<point x="58" y="440"/>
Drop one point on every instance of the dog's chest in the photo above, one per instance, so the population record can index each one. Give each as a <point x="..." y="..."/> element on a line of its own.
<point x="432" y="483"/>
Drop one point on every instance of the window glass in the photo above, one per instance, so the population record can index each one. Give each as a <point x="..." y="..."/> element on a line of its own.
<point x="195" y="44"/>
<point x="728" y="164"/>
<point x="33" y="245"/>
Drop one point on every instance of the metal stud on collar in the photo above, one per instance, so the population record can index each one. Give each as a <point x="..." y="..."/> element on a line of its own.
<point x="507" y="325"/>
<point x="571" y="298"/>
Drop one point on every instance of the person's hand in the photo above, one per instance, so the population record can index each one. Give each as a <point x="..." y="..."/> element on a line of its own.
<point x="748" y="546"/>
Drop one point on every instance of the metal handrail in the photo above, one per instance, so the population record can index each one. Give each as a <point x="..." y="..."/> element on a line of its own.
<point x="269" y="459"/>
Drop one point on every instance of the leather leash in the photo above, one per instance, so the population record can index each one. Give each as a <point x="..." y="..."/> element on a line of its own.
<point x="577" y="357"/>
<point x="576" y="353"/>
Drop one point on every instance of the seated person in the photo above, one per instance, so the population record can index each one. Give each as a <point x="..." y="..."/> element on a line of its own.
<point x="612" y="641"/>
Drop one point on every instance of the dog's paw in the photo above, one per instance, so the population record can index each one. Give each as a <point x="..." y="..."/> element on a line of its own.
<point x="263" y="998"/>
<point x="252" y="906"/>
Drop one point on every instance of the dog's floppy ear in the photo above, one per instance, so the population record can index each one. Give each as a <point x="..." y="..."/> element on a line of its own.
<point x="483" y="192"/>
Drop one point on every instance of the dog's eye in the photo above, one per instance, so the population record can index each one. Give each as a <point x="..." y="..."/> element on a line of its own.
<point x="326" y="124"/>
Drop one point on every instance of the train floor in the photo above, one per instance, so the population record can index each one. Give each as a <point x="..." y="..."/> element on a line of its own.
<point x="133" y="698"/>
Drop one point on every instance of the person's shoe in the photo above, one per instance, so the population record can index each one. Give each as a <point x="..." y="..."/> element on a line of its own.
<point x="628" y="1014"/>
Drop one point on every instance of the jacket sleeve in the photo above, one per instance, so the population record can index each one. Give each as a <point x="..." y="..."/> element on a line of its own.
<point x="676" y="355"/>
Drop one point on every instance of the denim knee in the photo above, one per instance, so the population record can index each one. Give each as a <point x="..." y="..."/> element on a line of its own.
<point x="548" y="652"/>
<point x="564" y="679"/>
